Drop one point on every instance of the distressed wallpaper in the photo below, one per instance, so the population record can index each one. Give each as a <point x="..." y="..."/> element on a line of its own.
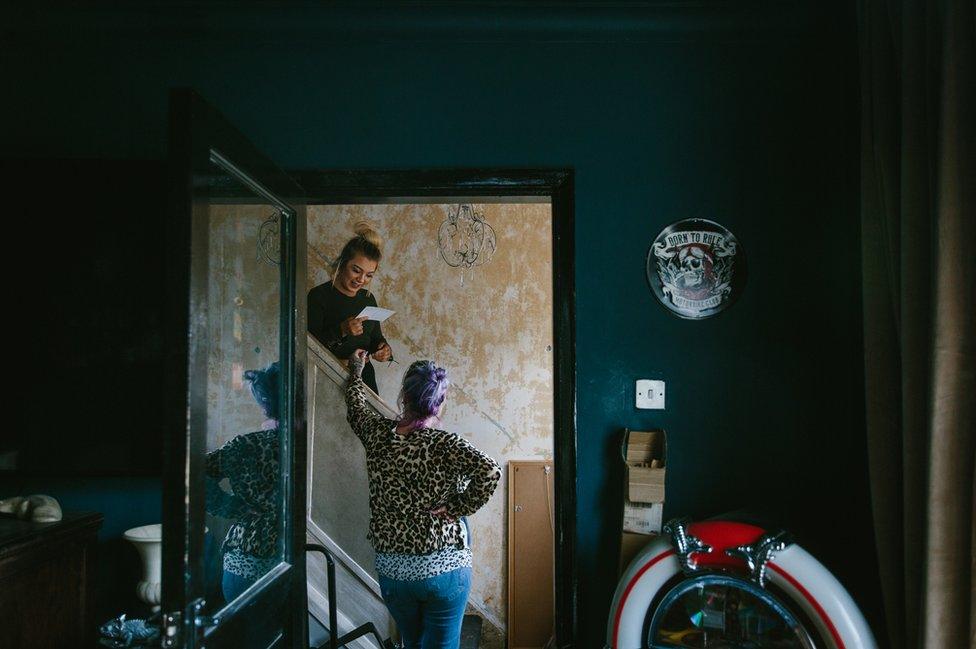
<point x="243" y="313"/>
<point x="490" y="326"/>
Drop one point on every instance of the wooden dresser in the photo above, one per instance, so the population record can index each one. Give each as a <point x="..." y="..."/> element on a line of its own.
<point x="46" y="580"/>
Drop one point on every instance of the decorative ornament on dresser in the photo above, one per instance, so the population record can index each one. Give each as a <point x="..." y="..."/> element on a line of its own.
<point x="38" y="508"/>
<point x="148" y="540"/>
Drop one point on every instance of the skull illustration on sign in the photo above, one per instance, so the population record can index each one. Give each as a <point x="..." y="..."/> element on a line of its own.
<point x="696" y="268"/>
<point x="696" y="264"/>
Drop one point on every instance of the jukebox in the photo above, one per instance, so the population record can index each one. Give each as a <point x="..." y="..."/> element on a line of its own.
<point x="725" y="584"/>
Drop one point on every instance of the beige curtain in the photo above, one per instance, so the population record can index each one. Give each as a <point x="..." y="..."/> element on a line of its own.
<point x="918" y="211"/>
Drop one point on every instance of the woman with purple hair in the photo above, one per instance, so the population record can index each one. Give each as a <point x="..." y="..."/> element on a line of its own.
<point x="422" y="482"/>
<point x="249" y="463"/>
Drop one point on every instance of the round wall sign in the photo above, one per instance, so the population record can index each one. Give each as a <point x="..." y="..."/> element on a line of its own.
<point x="696" y="268"/>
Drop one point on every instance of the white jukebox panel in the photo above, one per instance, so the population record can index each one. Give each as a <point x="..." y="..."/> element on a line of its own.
<point x="729" y="584"/>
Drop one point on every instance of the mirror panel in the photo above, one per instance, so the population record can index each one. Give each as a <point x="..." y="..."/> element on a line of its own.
<point x="231" y="575"/>
<point x="244" y="437"/>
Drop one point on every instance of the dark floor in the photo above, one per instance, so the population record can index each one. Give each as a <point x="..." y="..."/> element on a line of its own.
<point x="318" y="635"/>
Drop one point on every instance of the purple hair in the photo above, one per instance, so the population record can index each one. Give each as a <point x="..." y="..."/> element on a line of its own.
<point x="423" y="392"/>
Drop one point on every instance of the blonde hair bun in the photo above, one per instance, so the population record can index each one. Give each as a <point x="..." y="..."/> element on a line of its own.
<point x="365" y="230"/>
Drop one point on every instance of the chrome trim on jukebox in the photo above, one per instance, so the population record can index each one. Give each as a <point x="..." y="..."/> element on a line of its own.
<point x="685" y="544"/>
<point x="759" y="553"/>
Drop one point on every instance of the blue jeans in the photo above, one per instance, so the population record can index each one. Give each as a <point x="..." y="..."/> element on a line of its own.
<point x="233" y="585"/>
<point x="429" y="612"/>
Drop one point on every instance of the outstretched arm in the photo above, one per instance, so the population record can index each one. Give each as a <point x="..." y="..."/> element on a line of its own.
<point x="361" y="417"/>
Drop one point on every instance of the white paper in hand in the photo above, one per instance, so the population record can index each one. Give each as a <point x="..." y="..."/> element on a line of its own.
<point x="375" y="313"/>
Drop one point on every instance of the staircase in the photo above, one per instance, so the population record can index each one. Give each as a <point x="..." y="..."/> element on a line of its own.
<point x="338" y="505"/>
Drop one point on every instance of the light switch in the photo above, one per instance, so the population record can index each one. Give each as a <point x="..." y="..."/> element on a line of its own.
<point x="650" y="394"/>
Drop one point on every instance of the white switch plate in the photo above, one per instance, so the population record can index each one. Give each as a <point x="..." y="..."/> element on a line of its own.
<point x="650" y="394"/>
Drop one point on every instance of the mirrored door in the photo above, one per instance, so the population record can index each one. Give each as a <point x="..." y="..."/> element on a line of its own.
<point x="233" y="533"/>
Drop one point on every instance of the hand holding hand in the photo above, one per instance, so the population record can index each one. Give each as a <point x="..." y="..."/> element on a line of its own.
<point x="383" y="353"/>
<point x="356" y="362"/>
<point x="352" y="326"/>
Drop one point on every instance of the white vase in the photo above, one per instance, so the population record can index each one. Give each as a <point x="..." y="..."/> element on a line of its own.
<point x="148" y="540"/>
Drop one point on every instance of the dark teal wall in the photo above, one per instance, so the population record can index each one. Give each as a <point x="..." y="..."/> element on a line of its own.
<point x="125" y="503"/>
<point x="747" y="117"/>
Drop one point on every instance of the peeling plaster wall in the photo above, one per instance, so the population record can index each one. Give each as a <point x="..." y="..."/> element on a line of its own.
<point x="490" y="326"/>
<point x="492" y="331"/>
<point x="243" y="305"/>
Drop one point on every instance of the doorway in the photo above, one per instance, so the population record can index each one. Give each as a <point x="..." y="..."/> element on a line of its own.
<point x="235" y="216"/>
<point x="532" y="208"/>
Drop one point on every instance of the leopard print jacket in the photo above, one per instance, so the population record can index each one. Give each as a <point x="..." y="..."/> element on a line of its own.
<point x="250" y="464"/>
<point x="410" y="475"/>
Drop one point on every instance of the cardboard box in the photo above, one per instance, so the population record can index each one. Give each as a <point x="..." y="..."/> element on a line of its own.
<point x="643" y="518"/>
<point x="630" y="545"/>
<point x="645" y="485"/>
<point x="643" y="491"/>
<point x="645" y="453"/>
<point x="643" y="446"/>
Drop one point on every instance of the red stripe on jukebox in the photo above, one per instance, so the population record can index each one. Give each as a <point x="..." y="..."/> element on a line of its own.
<point x="813" y="602"/>
<point x="630" y="586"/>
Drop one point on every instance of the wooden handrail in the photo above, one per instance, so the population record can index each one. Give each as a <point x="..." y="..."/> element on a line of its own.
<point x="336" y="370"/>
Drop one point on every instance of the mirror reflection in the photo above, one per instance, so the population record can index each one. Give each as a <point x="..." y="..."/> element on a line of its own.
<point x="430" y="397"/>
<point x="243" y="478"/>
<point x="242" y="489"/>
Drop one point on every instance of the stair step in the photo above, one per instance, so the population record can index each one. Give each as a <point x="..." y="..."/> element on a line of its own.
<point x="470" y="632"/>
<point x="318" y="635"/>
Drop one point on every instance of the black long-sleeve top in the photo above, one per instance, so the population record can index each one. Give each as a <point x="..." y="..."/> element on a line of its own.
<point x="327" y="308"/>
